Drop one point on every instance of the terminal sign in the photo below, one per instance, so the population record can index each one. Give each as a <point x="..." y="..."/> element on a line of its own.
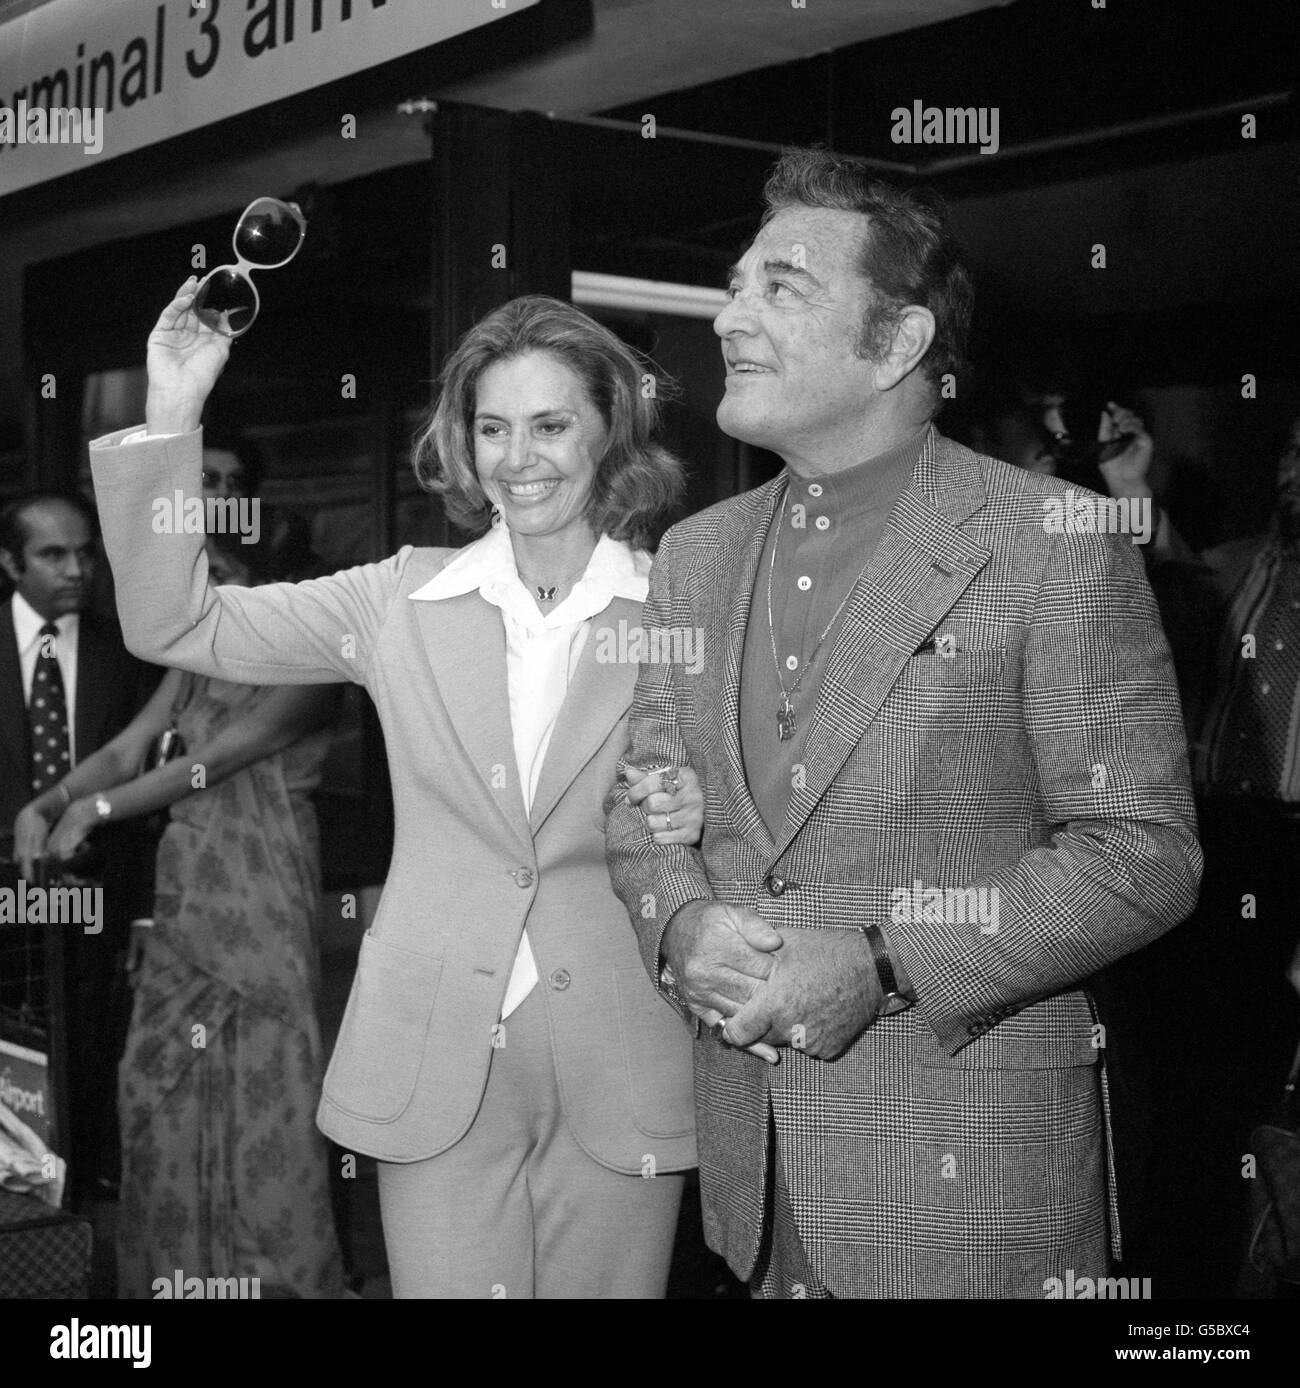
<point x="82" y="83"/>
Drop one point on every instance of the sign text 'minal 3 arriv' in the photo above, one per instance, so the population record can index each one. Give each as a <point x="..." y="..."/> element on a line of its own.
<point x="154" y="69"/>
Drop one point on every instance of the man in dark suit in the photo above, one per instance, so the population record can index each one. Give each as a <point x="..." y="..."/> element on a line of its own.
<point x="89" y="687"/>
<point x="946" y="782"/>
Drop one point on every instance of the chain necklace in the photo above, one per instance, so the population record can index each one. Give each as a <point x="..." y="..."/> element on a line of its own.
<point x="785" y="717"/>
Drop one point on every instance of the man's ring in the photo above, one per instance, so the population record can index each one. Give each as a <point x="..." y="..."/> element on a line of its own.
<point x="718" y="1028"/>
<point x="669" y="780"/>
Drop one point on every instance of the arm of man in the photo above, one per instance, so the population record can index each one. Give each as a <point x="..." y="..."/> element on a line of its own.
<point x="317" y="632"/>
<point x="1123" y="866"/>
<point x="1104" y="728"/>
<point x="712" y="950"/>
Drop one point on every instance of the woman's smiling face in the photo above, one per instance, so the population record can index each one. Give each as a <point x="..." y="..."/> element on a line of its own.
<point x="538" y="440"/>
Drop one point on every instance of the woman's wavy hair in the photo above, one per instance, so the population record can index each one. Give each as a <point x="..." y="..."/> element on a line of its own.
<point x="637" y="480"/>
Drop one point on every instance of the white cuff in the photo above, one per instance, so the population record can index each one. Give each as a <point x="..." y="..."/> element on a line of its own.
<point x="141" y="435"/>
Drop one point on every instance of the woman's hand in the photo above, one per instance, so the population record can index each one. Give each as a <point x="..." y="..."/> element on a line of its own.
<point x="72" y="830"/>
<point x="184" y="360"/>
<point x="671" y="815"/>
<point x="31" y="830"/>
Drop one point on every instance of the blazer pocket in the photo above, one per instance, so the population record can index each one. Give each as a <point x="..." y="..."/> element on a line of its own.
<point x="932" y="670"/>
<point x="385" y="1029"/>
<point x="657" y="1056"/>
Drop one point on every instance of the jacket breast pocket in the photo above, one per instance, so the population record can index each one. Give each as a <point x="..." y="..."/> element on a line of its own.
<point x="962" y="669"/>
<point x="385" y="1029"/>
<point x="948" y="711"/>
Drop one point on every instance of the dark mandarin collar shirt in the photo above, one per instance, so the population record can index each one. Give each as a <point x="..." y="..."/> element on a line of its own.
<point x="824" y="539"/>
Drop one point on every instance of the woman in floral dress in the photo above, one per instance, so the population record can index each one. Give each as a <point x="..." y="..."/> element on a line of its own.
<point x="223" y="1171"/>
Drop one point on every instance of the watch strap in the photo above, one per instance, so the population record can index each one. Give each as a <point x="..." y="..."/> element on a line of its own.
<point x="894" y="1001"/>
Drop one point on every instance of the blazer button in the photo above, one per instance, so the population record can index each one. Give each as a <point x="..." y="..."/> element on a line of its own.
<point x="523" y="877"/>
<point x="775" y="885"/>
<point x="560" y="979"/>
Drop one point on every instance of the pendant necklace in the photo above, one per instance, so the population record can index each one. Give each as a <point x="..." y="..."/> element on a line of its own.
<point x="785" y="713"/>
<point x="546" y="591"/>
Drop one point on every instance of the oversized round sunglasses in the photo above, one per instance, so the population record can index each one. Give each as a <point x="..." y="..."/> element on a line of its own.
<point x="268" y="234"/>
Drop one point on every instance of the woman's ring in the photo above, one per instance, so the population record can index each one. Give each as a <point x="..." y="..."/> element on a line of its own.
<point x="669" y="780"/>
<point x="668" y="821"/>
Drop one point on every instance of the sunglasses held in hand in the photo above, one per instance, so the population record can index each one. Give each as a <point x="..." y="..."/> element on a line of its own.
<point x="268" y="234"/>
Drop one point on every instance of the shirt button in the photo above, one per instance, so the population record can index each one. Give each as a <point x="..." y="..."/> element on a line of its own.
<point x="1278" y="645"/>
<point x="792" y="662"/>
<point x="804" y="583"/>
<point x="523" y="877"/>
<point x="775" y="885"/>
<point x="1264" y="688"/>
<point x="814" y="489"/>
<point x="823" y="522"/>
<point x="560" y="979"/>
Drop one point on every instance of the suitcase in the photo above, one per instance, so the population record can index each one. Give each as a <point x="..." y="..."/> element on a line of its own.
<point x="44" y="1252"/>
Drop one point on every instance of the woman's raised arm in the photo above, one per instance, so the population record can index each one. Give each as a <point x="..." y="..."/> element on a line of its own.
<point x="315" y="632"/>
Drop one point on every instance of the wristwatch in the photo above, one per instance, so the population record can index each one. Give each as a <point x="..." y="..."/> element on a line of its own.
<point x="894" y="1001"/>
<point x="102" y="808"/>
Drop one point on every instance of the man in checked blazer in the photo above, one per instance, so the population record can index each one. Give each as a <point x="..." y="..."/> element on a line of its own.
<point x="946" y="782"/>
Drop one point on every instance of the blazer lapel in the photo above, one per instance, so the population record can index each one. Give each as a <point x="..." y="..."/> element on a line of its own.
<point x="13" y="725"/>
<point x="922" y="566"/>
<point x="466" y="646"/>
<point x="598" y="696"/>
<point x="726" y="618"/>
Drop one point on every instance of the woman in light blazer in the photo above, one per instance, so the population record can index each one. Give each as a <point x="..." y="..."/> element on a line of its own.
<point x="526" y="1093"/>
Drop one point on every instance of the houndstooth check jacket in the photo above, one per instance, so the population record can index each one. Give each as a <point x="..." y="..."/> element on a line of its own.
<point x="959" y="1148"/>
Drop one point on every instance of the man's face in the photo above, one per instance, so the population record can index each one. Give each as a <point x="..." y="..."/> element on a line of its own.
<point x="795" y="383"/>
<point x="1022" y="438"/>
<point x="223" y="474"/>
<point x="57" y="562"/>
